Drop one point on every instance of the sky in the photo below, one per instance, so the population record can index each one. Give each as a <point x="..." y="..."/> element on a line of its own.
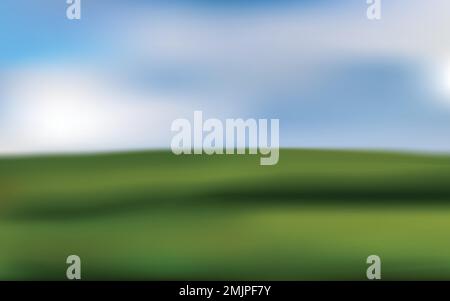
<point x="117" y="78"/>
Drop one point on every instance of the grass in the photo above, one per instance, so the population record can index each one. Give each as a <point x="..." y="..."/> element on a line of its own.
<point x="316" y="215"/>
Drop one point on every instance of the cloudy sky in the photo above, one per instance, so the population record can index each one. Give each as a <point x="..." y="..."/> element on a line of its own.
<point x="116" y="79"/>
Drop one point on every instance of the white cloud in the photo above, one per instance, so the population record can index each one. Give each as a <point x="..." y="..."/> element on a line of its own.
<point x="69" y="109"/>
<point x="266" y="39"/>
<point x="258" y="52"/>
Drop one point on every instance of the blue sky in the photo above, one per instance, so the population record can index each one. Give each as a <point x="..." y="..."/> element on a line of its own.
<point x="117" y="78"/>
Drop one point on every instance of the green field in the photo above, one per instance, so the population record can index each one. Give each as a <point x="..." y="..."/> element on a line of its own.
<point x="316" y="215"/>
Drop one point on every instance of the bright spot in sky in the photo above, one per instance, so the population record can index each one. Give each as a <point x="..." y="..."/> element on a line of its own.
<point x="444" y="81"/>
<point x="54" y="110"/>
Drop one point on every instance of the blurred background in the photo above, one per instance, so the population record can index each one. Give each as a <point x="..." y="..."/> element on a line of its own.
<point x="85" y="113"/>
